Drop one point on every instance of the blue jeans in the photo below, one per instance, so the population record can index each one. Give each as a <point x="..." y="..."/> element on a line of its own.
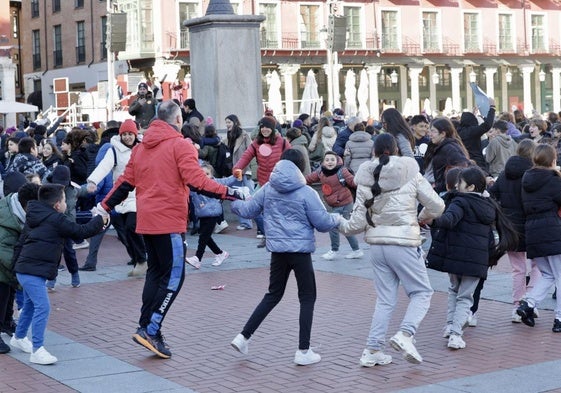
<point x="345" y="211"/>
<point x="36" y="309"/>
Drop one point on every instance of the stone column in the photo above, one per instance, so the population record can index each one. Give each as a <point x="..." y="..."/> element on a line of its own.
<point x="456" y="100"/>
<point x="287" y="71"/>
<point x="373" y="99"/>
<point x="504" y="91"/>
<point x="336" y="91"/>
<point x="8" y="80"/>
<point x="527" y="88"/>
<point x="490" y="88"/>
<point x="555" y="73"/>
<point x="217" y="36"/>
<point x="432" y="91"/>
<point x="414" y="73"/>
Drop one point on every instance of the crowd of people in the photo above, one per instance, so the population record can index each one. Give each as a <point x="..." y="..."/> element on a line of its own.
<point x="450" y="194"/>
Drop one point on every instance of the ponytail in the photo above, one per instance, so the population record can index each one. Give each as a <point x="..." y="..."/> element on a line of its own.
<point x="508" y="236"/>
<point x="376" y="190"/>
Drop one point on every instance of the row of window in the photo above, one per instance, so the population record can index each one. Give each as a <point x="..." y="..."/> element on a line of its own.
<point x="55" y="6"/>
<point x="57" y="44"/>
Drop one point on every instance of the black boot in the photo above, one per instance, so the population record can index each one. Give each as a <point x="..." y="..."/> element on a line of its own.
<point x="526" y="313"/>
<point x="556" y="326"/>
<point x="4" y="348"/>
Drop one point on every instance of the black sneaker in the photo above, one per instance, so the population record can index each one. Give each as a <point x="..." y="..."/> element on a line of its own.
<point x="130" y="263"/>
<point x="86" y="268"/>
<point x="10" y="329"/>
<point x="526" y="313"/>
<point x="4" y="348"/>
<point x="262" y="243"/>
<point x="556" y="326"/>
<point x="154" y="343"/>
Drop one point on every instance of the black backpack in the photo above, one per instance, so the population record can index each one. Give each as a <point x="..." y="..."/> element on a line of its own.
<point x="223" y="164"/>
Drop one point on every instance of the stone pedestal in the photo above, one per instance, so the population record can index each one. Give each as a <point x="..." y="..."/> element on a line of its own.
<point x="225" y="61"/>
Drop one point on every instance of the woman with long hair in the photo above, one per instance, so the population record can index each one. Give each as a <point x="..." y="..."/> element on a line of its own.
<point x="389" y="190"/>
<point x="50" y="154"/>
<point x="394" y="123"/>
<point x="445" y="151"/>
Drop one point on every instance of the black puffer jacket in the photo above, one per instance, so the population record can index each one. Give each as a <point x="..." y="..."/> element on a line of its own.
<point x="462" y="236"/>
<point x="507" y="190"/>
<point x="447" y="154"/>
<point x="471" y="132"/>
<point x="541" y="196"/>
<point x="40" y="246"/>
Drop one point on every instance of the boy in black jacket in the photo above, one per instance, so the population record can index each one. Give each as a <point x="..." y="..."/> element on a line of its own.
<point x="37" y="255"/>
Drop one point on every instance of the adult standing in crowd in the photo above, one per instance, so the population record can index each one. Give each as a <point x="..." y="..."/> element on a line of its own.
<point x="161" y="169"/>
<point x="144" y="107"/>
<point x="394" y="123"/>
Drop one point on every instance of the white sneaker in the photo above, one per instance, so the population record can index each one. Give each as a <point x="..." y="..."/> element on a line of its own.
<point x="78" y="246"/>
<point x="193" y="261"/>
<point x="472" y="319"/>
<point x="138" y="270"/>
<point x="447" y="330"/>
<point x="260" y="235"/>
<point x="23" y="344"/>
<point x="456" y="342"/>
<point x="302" y="358"/>
<point x="329" y="255"/>
<point x="240" y="343"/>
<point x="220" y="227"/>
<point x="401" y="343"/>
<point x="220" y="258"/>
<point x="355" y="254"/>
<point x="369" y="359"/>
<point x="515" y="317"/>
<point x="242" y="228"/>
<point x="42" y="356"/>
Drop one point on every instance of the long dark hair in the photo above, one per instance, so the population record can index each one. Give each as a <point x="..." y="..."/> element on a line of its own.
<point x="235" y="132"/>
<point x="385" y="146"/>
<point x="395" y="124"/>
<point x="508" y="236"/>
<point x="444" y="125"/>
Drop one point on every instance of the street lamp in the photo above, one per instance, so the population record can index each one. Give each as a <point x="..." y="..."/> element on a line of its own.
<point x="508" y="76"/>
<point x="435" y="78"/>
<point x="472" y="76"/>
<point x="393" y="77"/>
<point x="541" y="75"/>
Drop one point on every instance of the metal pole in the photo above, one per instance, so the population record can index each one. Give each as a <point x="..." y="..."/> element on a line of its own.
<point x="110" y="68"/>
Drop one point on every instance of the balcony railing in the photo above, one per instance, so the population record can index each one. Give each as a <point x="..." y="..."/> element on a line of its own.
<point x="309" y="40"/>
<point x="36" y="61"/>
<point x="57" y="58"/>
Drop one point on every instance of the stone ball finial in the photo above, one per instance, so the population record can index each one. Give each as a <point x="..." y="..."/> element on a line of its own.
<point x="219" y="7"/>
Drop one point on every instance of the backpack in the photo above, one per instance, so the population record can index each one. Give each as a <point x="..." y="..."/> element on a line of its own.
<point x="223" y="163"/>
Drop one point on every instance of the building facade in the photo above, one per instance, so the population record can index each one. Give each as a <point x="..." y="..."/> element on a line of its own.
<point x="416" y="55"/>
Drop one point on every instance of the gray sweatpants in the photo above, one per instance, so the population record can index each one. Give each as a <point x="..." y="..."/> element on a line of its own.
<point x="460" y="300"/>
<point x="393" y="264"/>
<point x="550" y="267"/>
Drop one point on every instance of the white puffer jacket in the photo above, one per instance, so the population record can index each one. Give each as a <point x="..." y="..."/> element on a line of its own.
<point x="394" y="212"/>
<point x="107" y="164"/>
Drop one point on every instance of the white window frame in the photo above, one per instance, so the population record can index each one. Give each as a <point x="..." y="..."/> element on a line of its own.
<point x="512" y="33"/>
<point x="479" y="32"/>
<point x="438" y="28"/>
<point x="399" y="32"/>
<point x="362" y="30"/>
<point x="278" y="25"/>
<point x="319" y="23"/>
<point x="545" y="29"/>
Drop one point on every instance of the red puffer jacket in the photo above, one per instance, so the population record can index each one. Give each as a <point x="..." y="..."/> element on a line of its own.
<point x="334" y="192"/>
<point x="267" y="156"/>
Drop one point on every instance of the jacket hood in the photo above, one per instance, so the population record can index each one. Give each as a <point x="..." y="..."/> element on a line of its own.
<point x="301" y="140"/>
<point x="481" y="207"/>
<point x="468" y="119"/>
<point x="536" y="178"/>
<point x="286" y="177"/>
<point x="394" y="175"/>
<point x="328" y="132"/>
<point x="516" y="166"/>
<point x="360" y="136"/>
<point x="504" y="140"/>
<point x="37" y="212"/>
<point x="158" y="132"/>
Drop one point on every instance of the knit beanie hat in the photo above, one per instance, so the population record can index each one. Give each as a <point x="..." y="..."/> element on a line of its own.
<point x="268" y="122"/>
<point x="13" y="181"/>
<point x="61" y="175"/>
<point x="128" y="126"/>
<point x="297" y="123"/>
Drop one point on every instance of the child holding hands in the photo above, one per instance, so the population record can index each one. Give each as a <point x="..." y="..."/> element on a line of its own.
<point x="37" y="256"/>
<point x="335" y="182"/>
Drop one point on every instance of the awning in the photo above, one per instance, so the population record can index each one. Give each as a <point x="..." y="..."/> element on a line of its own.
<point x="16" y="107"/>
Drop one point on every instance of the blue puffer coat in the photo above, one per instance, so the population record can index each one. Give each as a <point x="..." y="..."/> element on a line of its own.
<point x="292" y="211"/>
<point x="211" y="207"/>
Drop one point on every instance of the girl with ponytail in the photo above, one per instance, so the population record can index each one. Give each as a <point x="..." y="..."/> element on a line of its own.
<point x="389" y="189"/>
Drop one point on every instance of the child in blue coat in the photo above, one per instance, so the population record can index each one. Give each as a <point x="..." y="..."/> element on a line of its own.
<point x="293" y="211"/>
<point x="209" y="211"/>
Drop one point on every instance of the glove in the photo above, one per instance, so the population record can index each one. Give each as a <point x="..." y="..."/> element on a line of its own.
<point x="98" y="210"/>
<point x="232" y="194"/>
<point x="238" y="173"/>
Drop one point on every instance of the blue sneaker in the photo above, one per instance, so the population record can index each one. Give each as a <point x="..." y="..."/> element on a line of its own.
<point x="75" y="280"/>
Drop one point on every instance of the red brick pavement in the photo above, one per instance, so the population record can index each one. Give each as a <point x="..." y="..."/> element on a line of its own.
<point x="202" y="323"/>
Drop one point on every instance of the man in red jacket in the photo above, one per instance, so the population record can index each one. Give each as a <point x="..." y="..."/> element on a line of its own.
<point x="161" y="169"/>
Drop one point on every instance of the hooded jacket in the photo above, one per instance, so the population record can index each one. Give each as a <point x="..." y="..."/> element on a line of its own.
<point x="114" y="162"/>
<point x="328" y="137"/>
<point x="43" y="239"/>
<point x="10" y="229"/>
<point x="394" y="212"/>
<point x="335" y="193"/>
<point x="161" y="168"/>
<point x="265" y="163"/>
<point x="541" y="197"/>
<point x="144" y="112"/>
<point x="499" y="150"/>
<point x="359" y="149"/>
<point x="293" y="210"/>
<point x="507" y="190"/>
<point x="471" y="132"/>
<point x="462" y="237"/>
<point x="447" y="154"/>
